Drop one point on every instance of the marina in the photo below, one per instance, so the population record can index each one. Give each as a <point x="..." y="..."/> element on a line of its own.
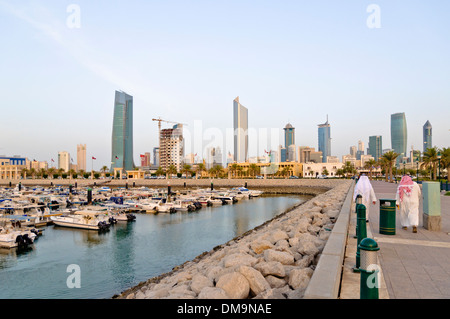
<point x="149" y="231"/>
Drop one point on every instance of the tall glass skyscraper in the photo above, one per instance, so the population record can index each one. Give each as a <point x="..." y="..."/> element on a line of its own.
<point x="325" y="140"/>
<point x="375" y="146"/>
<point x="427" y="142"/>
<point x="122" y="132"/>
<point x="240" y="126"/>
<point x="399" y="135"/>
<point x="289" y="135"/>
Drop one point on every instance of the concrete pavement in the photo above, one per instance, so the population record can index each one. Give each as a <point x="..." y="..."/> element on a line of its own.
<point x="413" y="265"/>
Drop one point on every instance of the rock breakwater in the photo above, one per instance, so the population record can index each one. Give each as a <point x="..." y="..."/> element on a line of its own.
<point x="273" y="261"/>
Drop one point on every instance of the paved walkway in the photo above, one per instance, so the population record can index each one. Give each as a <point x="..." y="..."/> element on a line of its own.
<point x="413" y="265"/>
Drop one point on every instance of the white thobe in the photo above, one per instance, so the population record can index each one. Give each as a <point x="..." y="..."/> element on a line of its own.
<point x="409" y="207"/>
<point x="365" y="189"/>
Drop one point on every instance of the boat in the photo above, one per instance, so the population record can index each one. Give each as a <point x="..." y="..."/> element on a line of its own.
<point x="85" y="219"/>
<point x="11" y="237"/>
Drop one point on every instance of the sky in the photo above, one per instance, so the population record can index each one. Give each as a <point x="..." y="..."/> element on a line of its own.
<point x="296" y="62"/>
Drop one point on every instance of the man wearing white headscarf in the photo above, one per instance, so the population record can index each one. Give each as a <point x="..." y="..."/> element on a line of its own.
<point x="365" y="189"/>
<point x="408" y="196"/>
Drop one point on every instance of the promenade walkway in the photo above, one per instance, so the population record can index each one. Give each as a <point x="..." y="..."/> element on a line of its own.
<point x="413" y="265"/>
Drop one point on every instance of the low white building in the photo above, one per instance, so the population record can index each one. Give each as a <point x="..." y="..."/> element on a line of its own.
<point x="313" y="170"/>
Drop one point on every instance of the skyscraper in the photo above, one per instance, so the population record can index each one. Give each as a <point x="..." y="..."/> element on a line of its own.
<point x="399" y="135"/>
<point x="325" y="140"/>
<point x="240" y="126"/>
<point x="81" y="157"/>
<point x="289" y="135"/>
<point x="64" y="161"/>
<point x="122" y="132"/>
<point x="375" y="146"/>
<point x="427" y="135"/>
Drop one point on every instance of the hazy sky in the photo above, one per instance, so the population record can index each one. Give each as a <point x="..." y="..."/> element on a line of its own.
<point x="185" y="61"/>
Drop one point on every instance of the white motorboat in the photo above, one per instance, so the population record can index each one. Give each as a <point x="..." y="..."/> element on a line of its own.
<point x="87" y="219"/>
<point x="11" y="237"/>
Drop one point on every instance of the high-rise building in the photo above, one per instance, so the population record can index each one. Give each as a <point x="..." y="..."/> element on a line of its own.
<point x="156" y="156"/>
<point x="399" y="135"/>
<point x="427" y="135"/>
<point x="289" y="135"/>
<point x="353" y="151"/>
<point x="122" y="132"/>
<point x="64" y="161"/>
<point x="171" y="147"/>
<point x="375" y="146"/>
<point x="213" y="157"/>
<point x="240" y="126"/>
<point x="325" y="140"/>
<point x="361" y="146"/>
<point x="145" y="159"/>
<point x="81" y="157"/>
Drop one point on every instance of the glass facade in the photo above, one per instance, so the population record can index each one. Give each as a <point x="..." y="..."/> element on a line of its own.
<point x="375" y="146"/>
<point x="399" y="135"/>
<point x="325" y="140"/>
<point x="289" y="135"/>
<point x="427" y="141"/>
<point x="240" y="126"/>
<point x="122" y="132"/>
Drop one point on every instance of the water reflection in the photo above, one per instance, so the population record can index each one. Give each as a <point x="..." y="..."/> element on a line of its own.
<point x="130" y="252"/>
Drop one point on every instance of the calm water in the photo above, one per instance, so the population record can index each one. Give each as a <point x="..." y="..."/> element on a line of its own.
<point x="128" y="253"/>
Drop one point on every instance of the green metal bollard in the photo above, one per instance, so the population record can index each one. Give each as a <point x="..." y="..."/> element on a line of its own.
<point x="362" y="231"/>
<point x="369" y="282"/>
<point x="358" y="201"/>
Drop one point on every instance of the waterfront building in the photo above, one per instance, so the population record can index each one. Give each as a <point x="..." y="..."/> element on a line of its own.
<point x="332" y="159"/>
<point x="122" y="132"/>
<point x="11" y="167"/>
<point x="364" y="159"/>
<point x="350" y="158"/>
<point x="375" y="146"/>
<point x="64" y="161"/>
<point x="171" y="151"/>
<point x="427" y="136"/>
<point x="81" y="157"/>
<point x="293" y="168"/>
<point x="325" y="140"/>
<point x="314" y="170"/>
<point x="38" y="165"/>
<point x="189" y="159"/>
<point x="240" y="126"/>
<point x="399" y="135"/>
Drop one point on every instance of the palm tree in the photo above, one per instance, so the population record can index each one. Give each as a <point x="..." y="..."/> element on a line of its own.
<point x="348" y="168"/>
<point x="445" y="159"/>
<point x="171" y="170"/>
<point x="160" y="171"/>
<point x="104" y="169"/>
<point x="24" y="172"/>
<point x="430" y="160"/>
<point x="200" y="168"/>
<point x="370" y="165"/>
<point x="71" y="173"/>
<point x="339" y="172"/>
<point x="51" y="171"/>
<point x="254" y="169"/>
<point x="186" y="169"/>
<point x="390" y="158"/>
<point x="233" y="169"/>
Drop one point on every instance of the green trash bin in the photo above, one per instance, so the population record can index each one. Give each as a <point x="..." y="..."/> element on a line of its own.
<point x="387" y="216"/>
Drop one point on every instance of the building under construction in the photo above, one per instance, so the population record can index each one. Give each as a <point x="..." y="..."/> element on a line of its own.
<point x="171" y="147"/>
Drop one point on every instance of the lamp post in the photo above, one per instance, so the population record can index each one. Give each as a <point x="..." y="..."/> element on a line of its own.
<point x="417" y="170"/>
<point x="439" y="158"/>
<point x="404" y="167"/>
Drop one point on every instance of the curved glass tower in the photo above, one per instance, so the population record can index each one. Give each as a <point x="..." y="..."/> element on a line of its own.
<point x="399" y="135"/>
<point x="427" y="142"/>
<point x="122" y="132"/>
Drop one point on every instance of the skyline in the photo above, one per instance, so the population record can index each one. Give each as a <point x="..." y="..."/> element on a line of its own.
<point x="312" y="60"/>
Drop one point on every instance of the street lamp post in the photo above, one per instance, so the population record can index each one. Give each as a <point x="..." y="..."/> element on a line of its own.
<point x="404" y="167"/>
<point x="439" y="158"/>
<point x="417" y="170"/>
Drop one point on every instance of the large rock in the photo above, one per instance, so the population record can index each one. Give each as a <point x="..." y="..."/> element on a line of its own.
<point x="212" y="293"/>
<point x="259" y="245"/>
<point x="199" y="282"/>
<point x="281" y="256"/>
<point x="256" y="280"/>
<point x="274" y="268"/>
<point x="235" y="285"/>
<point x="239" y="260"/>
<point x="299" y="278"/>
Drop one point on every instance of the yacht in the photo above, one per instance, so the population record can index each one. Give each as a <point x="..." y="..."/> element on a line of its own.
<point x="87" y="219"/>
<point x="10" y="237"/>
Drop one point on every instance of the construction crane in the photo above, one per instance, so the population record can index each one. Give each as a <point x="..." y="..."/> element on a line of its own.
<point x="159" y="131"/>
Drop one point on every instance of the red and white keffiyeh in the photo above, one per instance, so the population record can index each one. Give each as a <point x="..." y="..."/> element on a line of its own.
<point x="405" y="187"/>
